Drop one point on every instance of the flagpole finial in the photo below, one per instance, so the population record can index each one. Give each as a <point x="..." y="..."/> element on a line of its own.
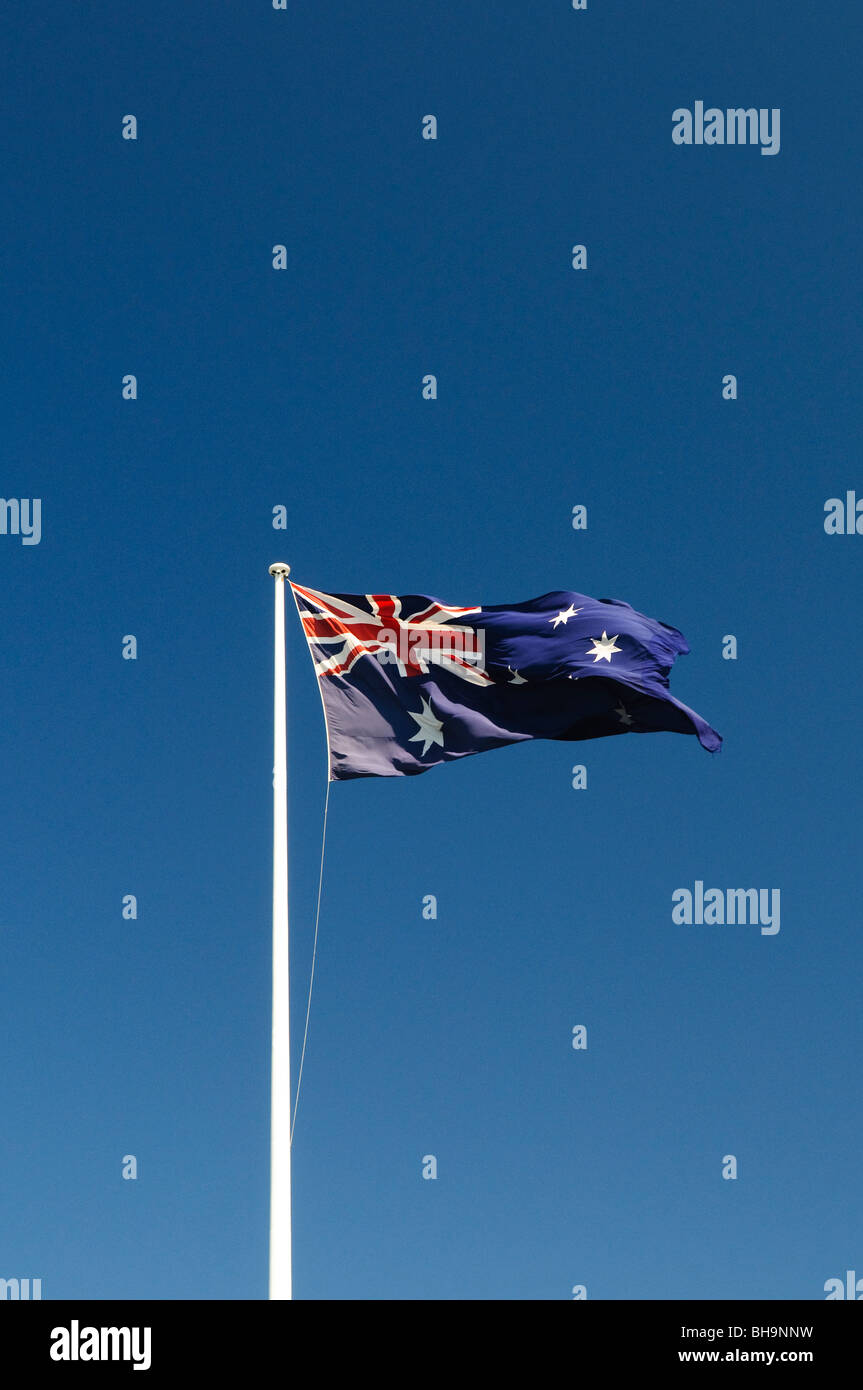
<point x="280" y="570"/>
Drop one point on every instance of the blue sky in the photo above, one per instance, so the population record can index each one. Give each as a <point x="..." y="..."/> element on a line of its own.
<point x="258" y="388"/>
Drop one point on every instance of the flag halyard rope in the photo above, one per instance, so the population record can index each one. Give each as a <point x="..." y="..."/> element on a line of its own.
<point x="314" y="956"/>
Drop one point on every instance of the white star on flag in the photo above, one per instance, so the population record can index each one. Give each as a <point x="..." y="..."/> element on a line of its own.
<point x="603" y="647"/>
<point x="623" y="714"/>
<point x="564" y="615"/>
<point x="429" y="729"/>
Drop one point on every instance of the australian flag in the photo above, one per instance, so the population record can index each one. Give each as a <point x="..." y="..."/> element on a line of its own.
<point x="408" y="682"/>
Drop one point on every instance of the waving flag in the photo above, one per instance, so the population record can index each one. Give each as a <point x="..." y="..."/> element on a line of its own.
<point x="408" y="682"/>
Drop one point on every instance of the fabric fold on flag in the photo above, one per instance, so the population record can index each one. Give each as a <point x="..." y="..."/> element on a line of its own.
<point x="408" y="682"/>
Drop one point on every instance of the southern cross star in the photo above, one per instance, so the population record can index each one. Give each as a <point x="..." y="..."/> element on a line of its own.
<point x="564" y="615"/>
<point x="429" y="729"/>
<point x="623" y="715"/>
<point x="603" y="647"/>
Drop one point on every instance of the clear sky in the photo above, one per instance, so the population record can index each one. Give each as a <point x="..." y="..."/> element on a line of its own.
<point x="259" y="388"/>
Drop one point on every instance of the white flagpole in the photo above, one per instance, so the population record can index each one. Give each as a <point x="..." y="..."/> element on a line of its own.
<point x="280" y="1081"/>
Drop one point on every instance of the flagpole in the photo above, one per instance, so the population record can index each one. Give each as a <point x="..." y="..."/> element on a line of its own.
<point x="280" y="1078"/>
